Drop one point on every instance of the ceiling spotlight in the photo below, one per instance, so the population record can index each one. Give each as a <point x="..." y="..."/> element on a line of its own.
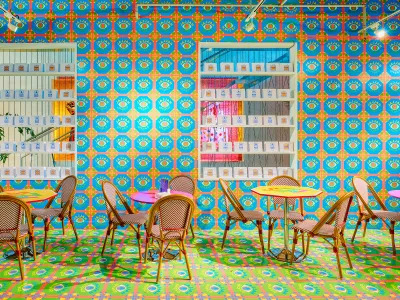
<point x="11" y="17"/>
<point x="249" y="26"/>
<point x="12" y="27"/>
<point x="380" y="33"/>
<point x="375" y="26"/>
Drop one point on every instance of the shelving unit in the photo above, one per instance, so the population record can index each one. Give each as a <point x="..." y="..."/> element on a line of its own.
<point x="234" y="53"/>
<point x="238" y="74"/>
<point x="38" y="53"/>
<point x="34" y="74"/>
<point x="250" y="100"/>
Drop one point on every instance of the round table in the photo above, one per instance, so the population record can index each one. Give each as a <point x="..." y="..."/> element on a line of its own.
<point x="28" y="196"/>
<point x="395" y="193"/>
<point x="150" y="196"/>
<point x="286" y="192"/>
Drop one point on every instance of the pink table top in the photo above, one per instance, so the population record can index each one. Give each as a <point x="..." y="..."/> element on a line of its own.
<point x="395" y="193"/>
<point x="150" y="196"/>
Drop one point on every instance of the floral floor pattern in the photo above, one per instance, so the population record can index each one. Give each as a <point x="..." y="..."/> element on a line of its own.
<point x="70" y="270"/>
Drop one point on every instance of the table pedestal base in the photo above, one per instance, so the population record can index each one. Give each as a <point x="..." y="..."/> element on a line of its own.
<point x="26" y="253"/>
<point x="153" y="254"/>
<point x="285" y="255"/>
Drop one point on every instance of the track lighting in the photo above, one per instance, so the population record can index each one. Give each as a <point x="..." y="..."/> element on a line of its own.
<point x="249" y="22"/>
<point x="380" y="33"/>
<point x="11" y="17"/>
<point x="377" y="26"/>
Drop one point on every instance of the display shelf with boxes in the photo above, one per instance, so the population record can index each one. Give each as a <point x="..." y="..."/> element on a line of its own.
<point x="38" y="100"/>
<point x="247" y="110"/>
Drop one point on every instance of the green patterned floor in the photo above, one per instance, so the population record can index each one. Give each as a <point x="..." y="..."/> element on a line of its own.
<point x="238" y="272"/>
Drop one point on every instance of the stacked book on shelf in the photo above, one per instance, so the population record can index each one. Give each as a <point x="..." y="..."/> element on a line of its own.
<point x="37" y="147"/>
<point x="257" y="67"/>
<point x="242" y="120"/>
<point x="50" y="94"/>
<point x="250" y="173"/>
<point x="34" y="173"/>
<point x="9" y="120"/>
<point x="37" y="67"/>
<point x="246" y="94"/>
<point x="284" y="147"/>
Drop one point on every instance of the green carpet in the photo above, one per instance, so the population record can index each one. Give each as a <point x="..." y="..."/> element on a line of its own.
<point x="70" y="270"/>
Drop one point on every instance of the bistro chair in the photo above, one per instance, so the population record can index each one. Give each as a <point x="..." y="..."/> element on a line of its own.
<point x="331" y="225"/>
<point x="362" y="189"/>
<point x="185" y="184"/>
<point x="66" y="190"/>
<point x="238" y="214"/>
<point x="175" y="214"/>
<point x="278" y="202"/>
<point x="115" y="219"/>
<point x="12" y="212"/>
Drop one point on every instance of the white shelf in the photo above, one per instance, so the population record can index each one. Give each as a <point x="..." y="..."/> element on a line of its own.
<point x="69" y="74"/>
<point x="37" y="152"/>
<point x="249" y="126"/>
<point x="238" y="74"/>
<point x="17" y="178"/>
<point x="251" y="100"/>
<point x="250" y="152"/>
<point x="36" y="100"/>
<point x="236" y="179"/>
<point x="47" y="126"/>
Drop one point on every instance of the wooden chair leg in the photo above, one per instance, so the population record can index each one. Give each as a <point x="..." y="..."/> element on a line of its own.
<point x="260" y="235"/>
<point x="365" y="227"/>
<point x="32" y="238"/>
<point x="191" y="229"/>
<point x="270" y="228"/>
<point x="346" y="250"/>
<point x="21" y="267"/>
<point x="227" y="225"/>
<point x="112" y="236"/>
<point x="46" y="229"/>
<point x="105" y="239"/>
<point x="355" y="229"/>
<point x="186" y="259"/>
<point x="62" y="225"/>
<point x="308" y="244"/>
<point x="294" y="245"/>
<point x="73" y="227"/>
<point x="336" y="251"/>
<point x="161" y="254"/>
<point x="146" y="247"/>
<point x="392" y="234"/>
<point x="138" y="237"/>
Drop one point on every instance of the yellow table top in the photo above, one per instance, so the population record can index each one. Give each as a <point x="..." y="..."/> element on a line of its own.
<point x="286" y="191"/>
<point x="30" y="195"/>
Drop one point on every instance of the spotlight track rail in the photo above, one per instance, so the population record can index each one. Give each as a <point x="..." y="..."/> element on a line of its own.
<point x="138" y="5"/>
<point x="376" y="24"/>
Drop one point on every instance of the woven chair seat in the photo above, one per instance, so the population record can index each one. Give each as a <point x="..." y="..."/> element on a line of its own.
<point x="45" y="213"/>
<point x="308" y="225"/>
<point x="168" y="235"/>
<point x="292" y="215"/>
<point x="136" y="219"/>
<point x="389" y="215"/>
<point x="250" y="215"/>
<point x="11" y="235"/>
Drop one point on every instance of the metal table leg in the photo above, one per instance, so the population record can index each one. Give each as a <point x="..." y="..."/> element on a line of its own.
<point x="285" y="254"/>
